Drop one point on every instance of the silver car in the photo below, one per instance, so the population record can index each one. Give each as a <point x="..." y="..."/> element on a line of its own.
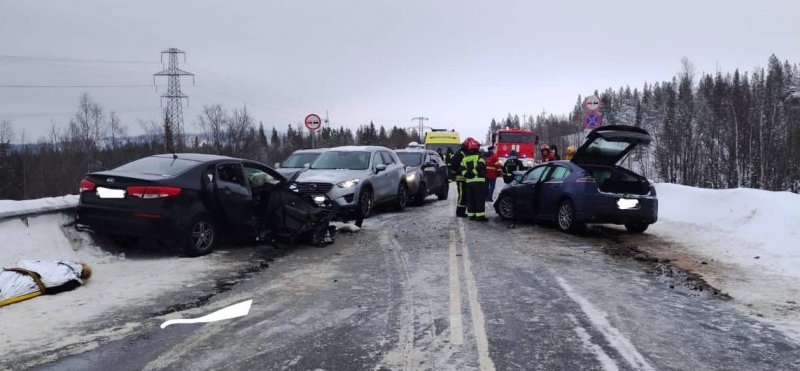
<point x="297" y="161"/>
<point x="357" y="178"/>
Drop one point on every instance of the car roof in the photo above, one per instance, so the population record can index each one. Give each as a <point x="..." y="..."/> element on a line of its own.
<point x="311" y="150"/>
<point x="413" y="150"/>
<point x="360" y="148"/>
<point x="199" y="157"/>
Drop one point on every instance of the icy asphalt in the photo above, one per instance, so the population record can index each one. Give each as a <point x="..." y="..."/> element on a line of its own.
<point x="423" y="290"/>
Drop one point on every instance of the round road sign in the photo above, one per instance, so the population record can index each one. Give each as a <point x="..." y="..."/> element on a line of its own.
<point x="591" y="103"/>
<point x="592" y="120"/>
<point x="313" y="122"/>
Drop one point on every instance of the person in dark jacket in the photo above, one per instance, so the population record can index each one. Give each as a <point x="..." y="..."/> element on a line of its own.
<point x="455" y="173"/>
<point x="511" y="165"/>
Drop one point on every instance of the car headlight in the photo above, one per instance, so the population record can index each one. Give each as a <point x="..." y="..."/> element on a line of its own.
<point x="411" y="176"/>
<point x="348" y="183"/>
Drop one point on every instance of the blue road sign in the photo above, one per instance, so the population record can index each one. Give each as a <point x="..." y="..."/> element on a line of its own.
<point x="592" y="120"/>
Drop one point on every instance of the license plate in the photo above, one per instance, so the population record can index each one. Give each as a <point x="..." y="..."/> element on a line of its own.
<point x="103" y="192"/>
<point x="626" y="203"/>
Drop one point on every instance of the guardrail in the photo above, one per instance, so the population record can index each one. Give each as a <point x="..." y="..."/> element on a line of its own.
<point x="37" y="211"/>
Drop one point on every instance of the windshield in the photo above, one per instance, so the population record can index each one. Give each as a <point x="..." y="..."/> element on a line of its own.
<point x="299" y="160"/>
<point x="164" y="166"/>
<point x="515" y="138"/>
<point x="410" y="159"/>
<point x="355" y="160"/>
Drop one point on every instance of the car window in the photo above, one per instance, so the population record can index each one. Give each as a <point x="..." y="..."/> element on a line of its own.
<point x="298" y="160"/>
<point x="258" y="178"/>
<point x="410" y="159"/>
<point x="376" y="160"/>
<point x="558" y="173"/>
<point x="155" y="165"/>
<point x="387" y="158"/>
<point x="352" y="160"/>
<point x="534" y="174"/>
<point x="231" y="173"/>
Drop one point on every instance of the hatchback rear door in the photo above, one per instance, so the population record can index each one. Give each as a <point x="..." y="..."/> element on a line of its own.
<point x="607" y="145"/>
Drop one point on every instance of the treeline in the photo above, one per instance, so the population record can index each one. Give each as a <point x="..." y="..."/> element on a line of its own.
<point x="739" y="129"/>
<point x="54" y="164"/>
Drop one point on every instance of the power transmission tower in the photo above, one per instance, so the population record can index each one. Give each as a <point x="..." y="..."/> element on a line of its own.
<point x="174" y="95"/>
<point x="421" y="125"/>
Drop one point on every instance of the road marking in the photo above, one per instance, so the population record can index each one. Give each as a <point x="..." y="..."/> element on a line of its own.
<point x="606" y="362"/>
<point x="233" y="311"/>
<point x="478" y="323"/>
<point x="615" y="338"/>
<point x="456" y="329"/>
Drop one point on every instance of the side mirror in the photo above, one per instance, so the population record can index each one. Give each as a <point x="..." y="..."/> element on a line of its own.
<point x="306" y="165"/>
<point x="277" y="165"/>
<point x="518" y="177"/>
<point x="380" y="168"/>
<point x="428" y="164"/>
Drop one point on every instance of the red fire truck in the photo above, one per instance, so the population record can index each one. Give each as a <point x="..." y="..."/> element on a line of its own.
<point x="521" y="140"/>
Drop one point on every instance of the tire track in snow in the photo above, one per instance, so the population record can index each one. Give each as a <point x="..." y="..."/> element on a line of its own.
<point x="478" y="323"/>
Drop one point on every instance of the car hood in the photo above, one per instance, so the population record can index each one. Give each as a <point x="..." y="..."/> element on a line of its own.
<point x="332" y="175"/>
<point x="607" y="145"/>
<point x="287" y="172"/>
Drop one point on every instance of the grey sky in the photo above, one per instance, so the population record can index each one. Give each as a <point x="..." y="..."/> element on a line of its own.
<point x="460" y="63"/>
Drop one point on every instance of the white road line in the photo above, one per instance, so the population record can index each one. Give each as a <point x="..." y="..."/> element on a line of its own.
<point x="456" y="326"/>
<point x="615" y="338"/>
<point x="606" y="362"/>
<point x="478" y="323"/>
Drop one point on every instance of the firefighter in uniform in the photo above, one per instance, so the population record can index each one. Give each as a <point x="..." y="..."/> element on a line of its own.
<point x="454" y="164"/>
<point x="512" y="164"/>
<point x="473" y="167"/>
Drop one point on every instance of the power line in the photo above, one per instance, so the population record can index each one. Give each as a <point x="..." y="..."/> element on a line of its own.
<point x="25" y="86"/>
<point x="72" y="60"/>
<point x="49" y="114"/>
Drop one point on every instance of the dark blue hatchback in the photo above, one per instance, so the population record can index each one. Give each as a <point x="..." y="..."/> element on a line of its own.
<point x="590" y="188"/>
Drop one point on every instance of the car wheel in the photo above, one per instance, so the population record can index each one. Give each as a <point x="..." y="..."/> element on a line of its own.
<point x="366" y="202"/>
<point x="402" y="197"/>
<point x="566" y="217"/>
<point x="201" y="236"/>
<point x="444" y="191"/>
<point x="419" y="198"/>
<point x="636" y="228"/>
<point x="505" y="208"/>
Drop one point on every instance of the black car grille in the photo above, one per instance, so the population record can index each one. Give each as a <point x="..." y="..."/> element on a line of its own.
<point x="314" y="188"/>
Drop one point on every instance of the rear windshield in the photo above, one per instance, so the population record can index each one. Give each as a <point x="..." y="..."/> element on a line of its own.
<point x="356" y="160"/>
<point x="603" y="148"/>
<point x="410" y="159"/>
<point x="299" y="160"/>
<point x="163" y="166"/>
<point x="443" y="147"/>
<point x="515" y="138"/>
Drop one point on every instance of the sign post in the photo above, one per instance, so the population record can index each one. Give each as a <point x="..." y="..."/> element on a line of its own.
<point x="313" y="123"/>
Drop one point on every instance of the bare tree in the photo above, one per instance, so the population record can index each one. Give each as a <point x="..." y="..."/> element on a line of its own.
<point x="212" y="122"/>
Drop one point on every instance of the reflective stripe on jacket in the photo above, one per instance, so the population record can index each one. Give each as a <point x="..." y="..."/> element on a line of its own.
<point x="473" y="167"/>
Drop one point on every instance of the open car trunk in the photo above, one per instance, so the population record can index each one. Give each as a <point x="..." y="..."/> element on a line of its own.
<point x="614" y="179"/>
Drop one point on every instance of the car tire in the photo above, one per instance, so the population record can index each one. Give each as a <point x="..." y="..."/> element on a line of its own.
<point x="201" y="236"/>
<point x="505" y="208"/>
<point x="565" y="217"/>
<point x="402" y="197"/>
<point x="422" y="192"/>
<point x="636" y="228"/>
<point x="366" y="202"/>
<point x="444" y="191"/>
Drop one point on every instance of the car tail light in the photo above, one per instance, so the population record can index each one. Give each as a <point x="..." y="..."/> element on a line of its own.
<point x="153" y="192"/>
<point x="585" y="179"/>
<point x="86" y="185"/>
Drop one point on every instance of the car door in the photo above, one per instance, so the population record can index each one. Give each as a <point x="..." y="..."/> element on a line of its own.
<point x="441" y="171"/>
<point x="380" y="180"/>
<point x="526" y="192"/>
<point x="551" y="191"/>
<point x="395" y="172"/>
<point x="430" y="171"/>
<point x="234" y="196"/>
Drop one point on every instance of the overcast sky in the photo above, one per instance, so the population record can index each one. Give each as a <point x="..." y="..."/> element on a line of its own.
<point x="460" y="63"/>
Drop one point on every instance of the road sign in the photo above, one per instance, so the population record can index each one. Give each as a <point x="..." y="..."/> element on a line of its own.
<point x="591" y="103"/>
<point x="592" y="120"/>
<point x="313" y="122"/>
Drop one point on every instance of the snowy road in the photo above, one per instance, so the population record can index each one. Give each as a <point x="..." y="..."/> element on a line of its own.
<point x="425" y="290"/>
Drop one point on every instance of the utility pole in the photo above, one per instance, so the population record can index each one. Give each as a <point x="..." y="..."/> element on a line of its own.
<point x="421" y="125"/>
<point x="174" y="95"/>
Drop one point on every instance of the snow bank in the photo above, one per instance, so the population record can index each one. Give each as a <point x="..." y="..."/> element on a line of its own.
<point x="745" y="223"/>
<point x="9" y="208"/>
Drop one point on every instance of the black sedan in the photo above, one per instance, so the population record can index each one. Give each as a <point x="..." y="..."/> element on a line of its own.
<point x="190" y="200"/>
<point x="426" y="174"/>
<point x="590" y="188"/>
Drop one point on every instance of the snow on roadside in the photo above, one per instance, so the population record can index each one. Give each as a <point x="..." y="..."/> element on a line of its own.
<point x="747" y="238"/>
<point x="118" y="284"/>
<point x="9" y="208"/>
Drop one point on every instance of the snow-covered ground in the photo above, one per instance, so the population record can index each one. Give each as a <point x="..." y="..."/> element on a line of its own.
<point x="747" y="238"/>
<point x="118" y="283"/>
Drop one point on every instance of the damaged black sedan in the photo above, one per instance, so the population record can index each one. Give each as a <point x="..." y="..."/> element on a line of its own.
<point x="193" y="200"/>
